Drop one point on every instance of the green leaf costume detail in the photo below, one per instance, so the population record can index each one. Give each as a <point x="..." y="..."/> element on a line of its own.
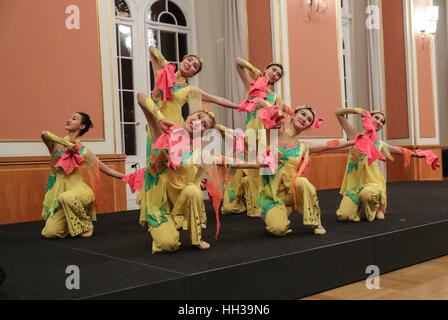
<point x="267" y="198"/>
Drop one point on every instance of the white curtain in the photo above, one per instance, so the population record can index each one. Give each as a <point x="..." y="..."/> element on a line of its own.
<point x="375" y="64"/>
<point x="376" y="77"/>
<point x="232" y="46"/>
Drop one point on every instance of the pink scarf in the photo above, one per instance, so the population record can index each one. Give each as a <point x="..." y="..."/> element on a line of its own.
<point x="175" y="141"/>
<point x="239" y="144"/>
<point x="70" y="159"/>
<point x="270" y="116"/>
<point x="317" y="123"/>
<point x="430" y="158"/>
<point x="165" y="81"/>
<point x="270" y="159"/>
<point x="136" y="180"/>
<point x="257" y="91"/>
<point x="365" y="141"/>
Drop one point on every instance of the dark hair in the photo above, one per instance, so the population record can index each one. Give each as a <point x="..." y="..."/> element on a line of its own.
<point x="85" y="121"/>
<point x="277" y="65"/>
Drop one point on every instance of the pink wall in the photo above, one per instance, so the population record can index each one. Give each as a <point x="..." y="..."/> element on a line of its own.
<point x="395" y="70"/>
<point x="425" y="85"/>
<point x="314" y="65"/>
<point x="47" y="71"/>
<point x="259" y="29"/>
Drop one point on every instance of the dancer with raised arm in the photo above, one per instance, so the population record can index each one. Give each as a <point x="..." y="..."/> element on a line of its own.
<point x="284" y="189"/>
<point x="172" y="91"/>
<point x="363" y="183"/>
<point x="260" y="90"/>
<point x="171" y="197"/>
<point x="70" y="203"/>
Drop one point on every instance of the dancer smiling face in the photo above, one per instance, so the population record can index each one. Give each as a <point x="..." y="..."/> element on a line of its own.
<point x="190" y="66"/>
<point x="273" y="73"/>
<point x="378" y="121"/>
<point x="199" y="119"/>
<point x="303" y="119"/>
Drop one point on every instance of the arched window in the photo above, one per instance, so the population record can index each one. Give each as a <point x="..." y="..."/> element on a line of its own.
<point x="168" y="30"/>
<point x="126" y="87"/>
<point x="166" y="11"/>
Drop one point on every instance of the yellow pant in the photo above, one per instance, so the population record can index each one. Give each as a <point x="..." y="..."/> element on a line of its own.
<point x="238" y="186"/>
<point x="165" y="238"/>
<point x="277" y="221"/>
<point x="71" y="217"/>
<point x="370" y="197"/>
<point x="251" y="191"/>
<point x="186" y="213"/>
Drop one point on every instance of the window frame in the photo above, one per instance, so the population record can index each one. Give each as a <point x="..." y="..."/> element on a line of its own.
<point x="129" y="22"/>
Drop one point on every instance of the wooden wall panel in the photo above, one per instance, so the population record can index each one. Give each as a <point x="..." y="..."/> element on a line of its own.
<point x="418" y="169"/>
<point x="425" y="172"/>
<point x="23" y="181"/>
<point x="327" y="170"/>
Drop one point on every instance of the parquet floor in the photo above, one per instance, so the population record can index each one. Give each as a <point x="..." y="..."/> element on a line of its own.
<point x="425" y="281"/>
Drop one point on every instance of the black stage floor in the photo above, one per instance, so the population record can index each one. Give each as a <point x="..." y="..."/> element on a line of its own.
<point x="244" y="263"/>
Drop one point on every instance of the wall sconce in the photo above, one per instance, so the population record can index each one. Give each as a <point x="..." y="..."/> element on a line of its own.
<point x="314" y="9"/>
<point x="426" y="23"/>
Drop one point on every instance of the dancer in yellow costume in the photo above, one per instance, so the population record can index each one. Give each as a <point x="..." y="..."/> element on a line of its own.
<point x="286" y="189"/>
<point x="172" y="199"/>
<point x="247" y="182"/>
<point x="182" y="91"/>
<point x="364" y="184"/>
<point x="69" y="206"/>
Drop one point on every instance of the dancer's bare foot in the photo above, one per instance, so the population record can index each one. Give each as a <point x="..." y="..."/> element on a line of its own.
<point x="319" y="230"/>
<point x="87" y="234"/>
<point x="203" y="245"/>
<point x="380" y="215"/>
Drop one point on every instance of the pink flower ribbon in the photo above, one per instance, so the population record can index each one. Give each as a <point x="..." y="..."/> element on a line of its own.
<point x="175" y="141"/>
<point x="70" y="159"/>
<point x="136" y="180"/>
<point x="365" y="141"/>
<point x="270" y="160"/>
<point x="257" y="91"/>
<point x="240" y="143"/>
<point x="430" y="157"/>
<point x="317" y="123"/>
<point x="270" y="116"/>
<point x="165" y="81"/>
